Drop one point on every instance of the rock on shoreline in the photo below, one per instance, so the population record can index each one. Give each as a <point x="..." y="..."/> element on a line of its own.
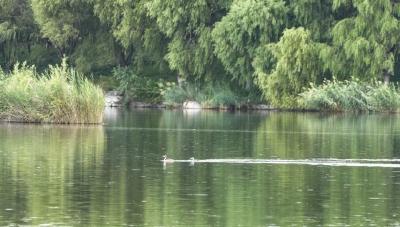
<point x="113" y="99"/>
<point x="191" y="105"/>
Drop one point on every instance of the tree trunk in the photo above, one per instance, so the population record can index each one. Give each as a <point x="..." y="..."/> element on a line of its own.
<point x="180" y="79"/>
<point x="386" y="78"/>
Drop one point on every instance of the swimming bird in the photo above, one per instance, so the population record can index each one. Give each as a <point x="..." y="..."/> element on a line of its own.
<point x="192" y="160"/>
<point x="166" y="159"/>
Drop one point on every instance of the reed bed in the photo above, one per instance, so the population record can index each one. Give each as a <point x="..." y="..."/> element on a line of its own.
<point x="59" y="95"/>
<point x="351" y="96"/>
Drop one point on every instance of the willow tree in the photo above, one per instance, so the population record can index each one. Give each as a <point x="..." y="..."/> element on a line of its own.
<point x="248" y="25"/>
<point x="138" y="39"/>
<point x="365" y="41"/>
<point x="284" y="69"/>
<point x="317" y="16"/>
<point x="19" y="36"/>
<point x="58" y="21"/>
<point x="73" y="29"/>
<point x="188" y="26"/>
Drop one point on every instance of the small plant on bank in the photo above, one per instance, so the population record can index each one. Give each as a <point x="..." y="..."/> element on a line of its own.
<point x="60" y="95"/>
<point x="173" y="94"/>
<point x="211" y="96"/>
<point x="218" y="96"/>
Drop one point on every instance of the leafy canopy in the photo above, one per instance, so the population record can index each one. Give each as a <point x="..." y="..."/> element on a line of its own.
<point x="248" y="25"/>
<point x="296" y="62"/>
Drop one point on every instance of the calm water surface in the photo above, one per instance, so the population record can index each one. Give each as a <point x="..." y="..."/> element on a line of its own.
<point x="111" y="174"/>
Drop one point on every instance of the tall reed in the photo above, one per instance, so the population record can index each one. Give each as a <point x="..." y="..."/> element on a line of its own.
<point x="353" y="96"/>
<point x="59" y="95"/>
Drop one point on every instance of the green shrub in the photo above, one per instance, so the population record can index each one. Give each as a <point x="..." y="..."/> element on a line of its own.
<point x="60" y="95"/>
<point x="351" y="96"/>
<point x="106" y="82"/>
<point x="211" y="96"/>
<point x="173" y="94"/>
<point x="138" y="88"/>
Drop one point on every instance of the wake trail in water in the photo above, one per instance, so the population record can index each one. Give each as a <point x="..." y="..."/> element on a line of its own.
<point x="195" y="130"/>
<point x="384" y="163"/>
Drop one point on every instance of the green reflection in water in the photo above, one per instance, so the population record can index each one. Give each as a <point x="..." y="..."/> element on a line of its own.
<point x="298" y="136"/>
<point x="112" y="175"/>
<point x="46" y="170"/>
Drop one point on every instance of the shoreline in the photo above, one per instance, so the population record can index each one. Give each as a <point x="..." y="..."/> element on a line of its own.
<point x="115" y="100"/>
<point x="251" y="108"/>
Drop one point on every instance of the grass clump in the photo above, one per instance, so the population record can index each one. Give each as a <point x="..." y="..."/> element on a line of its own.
<point x="351" y="96"/>
<point x="218" y="97"/>
<point x="174" y="95"/>
<point x="59" y="95"/>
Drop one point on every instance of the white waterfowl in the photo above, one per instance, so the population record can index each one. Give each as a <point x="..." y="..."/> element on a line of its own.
<point x="167" y="160"/>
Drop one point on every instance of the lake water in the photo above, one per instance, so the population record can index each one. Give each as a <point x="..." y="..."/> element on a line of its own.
<point x="112" y="174"/>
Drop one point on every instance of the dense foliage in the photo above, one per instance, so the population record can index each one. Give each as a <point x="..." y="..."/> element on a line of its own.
<point x="277" y="47"/>
<point x="297" y="63"/>
<point x="138" y="88"/>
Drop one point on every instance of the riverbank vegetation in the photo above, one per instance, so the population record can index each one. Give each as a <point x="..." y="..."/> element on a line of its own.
<point x="271" y="48"/>
<point x="212" y="97"/>
<point x="352" y="96"/>
<point x="57" y="95"/>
